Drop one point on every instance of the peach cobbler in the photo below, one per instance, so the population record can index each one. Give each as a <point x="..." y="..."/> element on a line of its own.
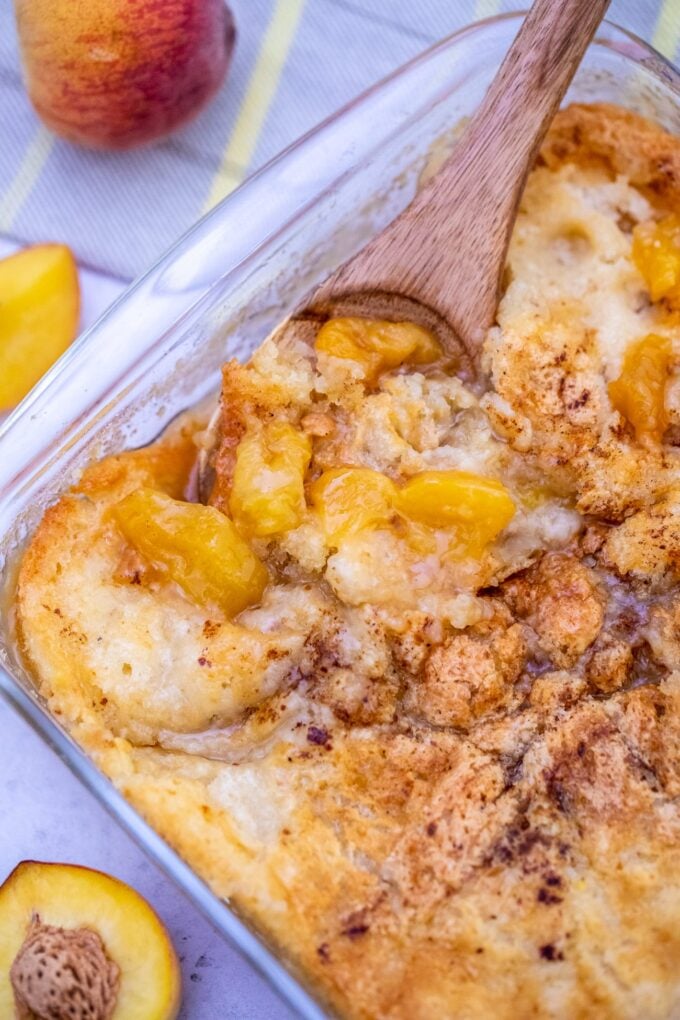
<point x="405" y="685"/>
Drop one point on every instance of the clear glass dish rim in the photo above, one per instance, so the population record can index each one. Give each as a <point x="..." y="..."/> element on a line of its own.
<point x="221" y="915"/>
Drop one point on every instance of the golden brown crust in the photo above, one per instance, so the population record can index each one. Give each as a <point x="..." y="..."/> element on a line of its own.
<point x="466" y="678"/>
<point x="562" y="600"/>
<point x="604" y="135"/>
<point x="647" y="544"/>
<point x="609" y="665"/>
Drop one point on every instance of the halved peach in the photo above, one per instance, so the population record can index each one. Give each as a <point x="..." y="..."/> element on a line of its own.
<point x="39" y="310"/>
<point x="75" y="942"/>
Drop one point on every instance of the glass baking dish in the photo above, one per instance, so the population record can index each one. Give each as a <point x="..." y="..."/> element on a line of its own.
<point x="219" y="291"/>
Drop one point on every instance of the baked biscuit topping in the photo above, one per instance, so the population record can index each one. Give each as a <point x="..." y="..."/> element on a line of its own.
<point x="408" y="689"/>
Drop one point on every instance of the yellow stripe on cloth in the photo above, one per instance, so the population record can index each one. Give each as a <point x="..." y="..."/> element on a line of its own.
<point x="26" y="177"/>
<point x="487" y="8"/>
<point x="667" y="32"/>
<point x="260" y="92"/>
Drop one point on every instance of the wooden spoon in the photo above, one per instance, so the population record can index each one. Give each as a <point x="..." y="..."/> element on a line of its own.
<point x="440" y="261"/>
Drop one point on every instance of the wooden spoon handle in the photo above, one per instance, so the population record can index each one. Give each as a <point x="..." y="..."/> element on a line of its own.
<point x="525" y="94"/>
<point x="447" y="250"/>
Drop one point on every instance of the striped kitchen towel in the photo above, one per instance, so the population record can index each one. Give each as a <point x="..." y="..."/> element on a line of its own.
<point x="295" y="62"/>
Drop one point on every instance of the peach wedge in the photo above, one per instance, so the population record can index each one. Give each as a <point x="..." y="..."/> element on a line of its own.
<point x="40" y="304"/>
<point x="77" y="943"/>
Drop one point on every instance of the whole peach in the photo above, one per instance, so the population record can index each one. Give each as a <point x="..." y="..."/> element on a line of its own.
<point x="118" y="73"/>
